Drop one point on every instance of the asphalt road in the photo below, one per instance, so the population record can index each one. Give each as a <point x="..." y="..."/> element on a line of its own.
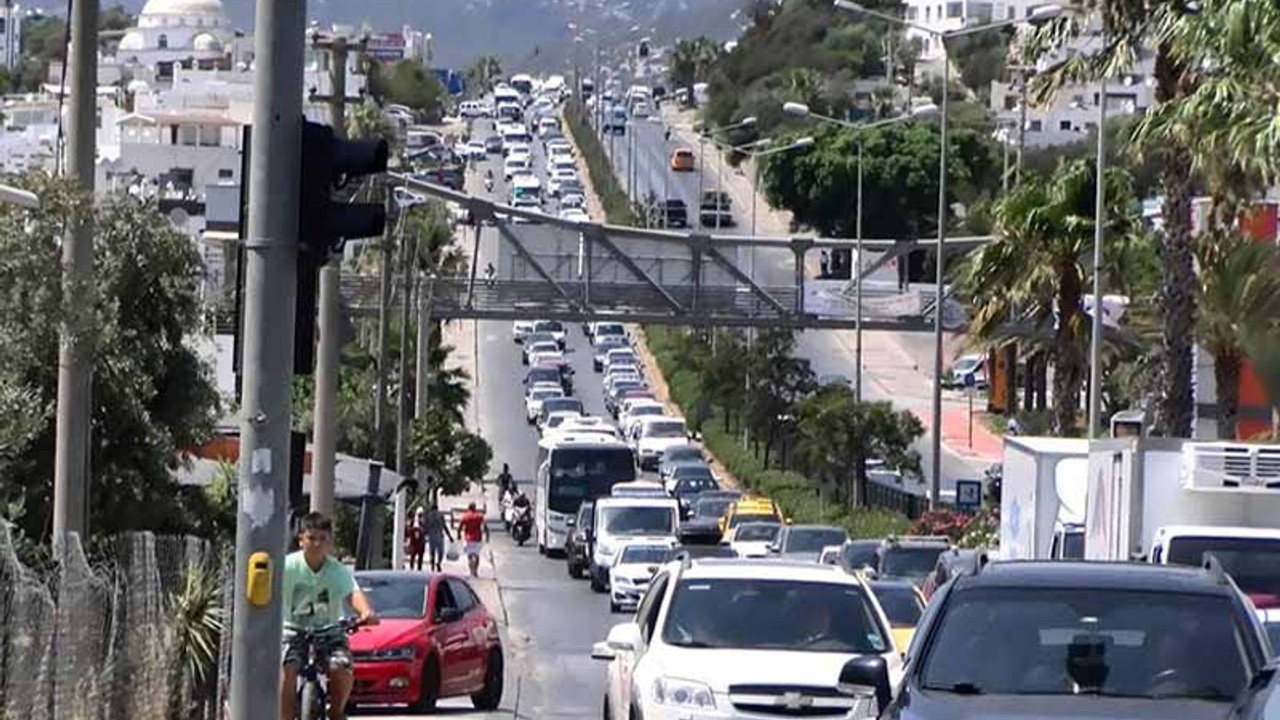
<point x="551" y="621"/>
<point x="829" y="352"/>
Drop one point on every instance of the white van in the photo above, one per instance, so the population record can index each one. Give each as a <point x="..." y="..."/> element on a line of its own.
<point x="525" y="188"/>
<point x="513" y="135"/>
<point x="619" y="520"/>
<point x="547" y="125"/>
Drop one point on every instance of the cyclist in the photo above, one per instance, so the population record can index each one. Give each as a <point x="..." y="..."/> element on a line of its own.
<point x="314" y="587"/>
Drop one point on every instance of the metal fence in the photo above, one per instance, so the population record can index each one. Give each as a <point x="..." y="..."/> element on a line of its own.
<point x="112" y="638"/>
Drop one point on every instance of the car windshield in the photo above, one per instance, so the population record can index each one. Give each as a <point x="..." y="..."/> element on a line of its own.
<point x="642" y="554"/>
<point x="910" y="562"/>
<point x="857" y="555"/>
<point x="681" y="454"/>
<point x="538" y="375"/>
<point x="692" y="472"/>
<point x="812" y="540"/>
<point x="540" y="337"/>
<point x="579" y="474"/>
<point x="1061" y="641"/>
<point x="740" y="518"/>
<point x="900" y="603"/>
<point x="395" y="597"/>
<point x="563" y="405"/>
<point x="638" y="520"/>
<point x="1273" y="634"/>
<point x="666" y="429"/>
<point x="1254" y="563"/>
<point x="607" y="329"/>
<point x="546" y="347"/>
<point x="622" y="386"/>
<point x="757" y="532"/>
<point x="549" y="326"/>
<point x="544" y="393"/>
<point x="643" y="410"/>
<point x="608" y="342"/>
<point x="755" y="614"/>
<point x="965" y="365"/>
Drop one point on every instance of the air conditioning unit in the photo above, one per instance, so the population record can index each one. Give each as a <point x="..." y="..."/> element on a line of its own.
<point x="1231" y="467"/>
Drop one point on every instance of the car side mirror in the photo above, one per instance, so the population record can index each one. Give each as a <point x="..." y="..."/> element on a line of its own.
<point x="864" y="676"/>
<point x="570" y="522"/>
<point x="775" y="547"/>
<point x="601" y="651"/>
<point x="448" y="615"/>
<point x="624" y="637"/>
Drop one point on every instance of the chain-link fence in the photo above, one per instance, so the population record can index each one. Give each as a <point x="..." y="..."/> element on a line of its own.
<point x="137" y="632"/>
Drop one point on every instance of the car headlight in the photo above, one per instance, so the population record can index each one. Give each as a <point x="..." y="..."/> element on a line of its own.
<point x="604" y="550"/>
<point x="395" y="653"/>
<point x="683" y="693"/>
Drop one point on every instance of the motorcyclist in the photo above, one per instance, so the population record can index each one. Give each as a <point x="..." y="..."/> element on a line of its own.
<point x="505" y="481"/>
<point x="521" y="515"/>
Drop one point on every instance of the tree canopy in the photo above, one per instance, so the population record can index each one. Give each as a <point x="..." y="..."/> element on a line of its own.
<point x="407" y="83"/>
<point x="153" y="396"/>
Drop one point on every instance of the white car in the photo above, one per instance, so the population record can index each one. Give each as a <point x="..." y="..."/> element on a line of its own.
<point x="656" y="434"/>
<point x="555" y="328"/>
<point x="533" y="400"/>
<point x="573" y="201"/>
<point x="619" y="520"/>
<point x="526" y="203"/>
<point x="557" y="180"/>
<point x="543" y="347"/>
<point x="752" y="539"/>
<point x="521" y="329"/>
<point x="638" y="561"/>
<point x="575" y="215"/>
<point x="515" y="166"/>
<point x="638" y="412"/>
<point x="473" y="150"/>
<point x="708" y="630"/>
<point x="557" y="419"/>
<point x="559" y="146"/>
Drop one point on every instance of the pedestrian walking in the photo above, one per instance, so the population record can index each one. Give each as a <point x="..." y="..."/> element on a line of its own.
<point x="824" y="264"/>
<point x="489" y="272"/>
<point x="415" y="540"/>
<point x="436" y="530"/>
<point x="474" y="531"/>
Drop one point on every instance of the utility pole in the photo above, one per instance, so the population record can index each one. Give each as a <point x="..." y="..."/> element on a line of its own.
<point x="269" y="314"/>
<point x="329" y="359"/>
<point x="384" y="333"/>
<point x="75" y="353"/>
<point x="408" y="254"/>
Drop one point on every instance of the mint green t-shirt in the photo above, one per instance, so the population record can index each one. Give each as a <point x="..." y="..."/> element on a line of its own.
<point x="314" y="599"/>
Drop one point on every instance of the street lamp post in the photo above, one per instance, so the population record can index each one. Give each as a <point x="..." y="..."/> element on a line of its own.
<point x="1040" y="14"/>
<point x="801" y="110"/>
<point x="1099" y="218"/>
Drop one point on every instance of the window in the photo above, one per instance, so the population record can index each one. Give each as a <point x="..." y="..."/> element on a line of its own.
<point x="444" y="599"/>
<point x="912" y="13"/>
<point x="1011" y="13"/>
<point x="928" y="13"/>
<point x="395" y="598"/>
<point x="462" y="595"/>
<point x="1010" y="101"/>
<point x="1034" y="126"/>
<point x="647" y="612"/>
<point x="1064" y="125"/>
<point x="955" y="9"/>
<point x="188" y="134"/>
<point x="224" y="173"/>
<point x="162" y="42"/>
<point x="980" y="11"/>
<point x="210" y="136"/>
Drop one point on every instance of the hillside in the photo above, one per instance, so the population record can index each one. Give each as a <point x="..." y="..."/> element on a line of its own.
<point x="510" y="29"/>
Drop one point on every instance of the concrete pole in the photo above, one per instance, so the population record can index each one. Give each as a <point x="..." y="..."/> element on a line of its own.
<point x="935" y="495"/>
<point x="384" y="334"/>
<point x="329" y="359"/>
<point x="1099" y="221"/>
<point x="270" y="290"/>
<point x="1022" y="127"/>
<point x="75" y="354"/>
<point x="422" y="383"/>
<point x="407" y="257"/>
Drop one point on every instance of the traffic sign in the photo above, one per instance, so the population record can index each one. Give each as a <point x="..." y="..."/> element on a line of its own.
<point x="968" y="496"/>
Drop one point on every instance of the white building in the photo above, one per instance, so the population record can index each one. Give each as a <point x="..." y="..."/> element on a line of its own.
<point x="173" y="33"/>
<point x="1074" y="112"/>
<point x="946" y="15"/>
<point x="10" y="34"/>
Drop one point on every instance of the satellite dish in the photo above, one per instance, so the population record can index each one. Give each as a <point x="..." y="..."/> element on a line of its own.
<point x="179" y="218"/>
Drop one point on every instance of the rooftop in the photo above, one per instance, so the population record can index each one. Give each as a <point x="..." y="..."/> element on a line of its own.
<point x="1095" y="576"/>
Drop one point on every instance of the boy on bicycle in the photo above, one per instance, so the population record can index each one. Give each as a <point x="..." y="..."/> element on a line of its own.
<point x="315" y="586"/>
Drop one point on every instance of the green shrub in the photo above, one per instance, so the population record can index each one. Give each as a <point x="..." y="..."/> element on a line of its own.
<point x="617" y="208"/>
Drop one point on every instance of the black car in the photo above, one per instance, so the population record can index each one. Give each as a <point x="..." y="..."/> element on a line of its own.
<point x="577" y="546"/>
<point x="493" y="144"/>
<point x="715" y="209"/>
<point x="675" y="212"/>
<point x="1084" y="640"/>
<point x="805" y="542"/>
<point x="713" y="504"/>
<point x="701" y="552"/>
<point x="857" y="554"/>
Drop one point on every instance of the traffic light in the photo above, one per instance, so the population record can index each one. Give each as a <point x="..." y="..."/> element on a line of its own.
<point x="325" y="224"/>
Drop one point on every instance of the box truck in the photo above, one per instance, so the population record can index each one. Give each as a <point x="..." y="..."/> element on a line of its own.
<point x="1042" y="498"/>
<point x="1179" y="502"/>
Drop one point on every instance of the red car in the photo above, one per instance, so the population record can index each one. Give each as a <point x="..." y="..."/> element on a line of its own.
<point x="435" y="639"/>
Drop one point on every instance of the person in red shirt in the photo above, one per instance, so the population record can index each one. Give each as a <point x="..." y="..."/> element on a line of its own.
<point x="474" y="530"/>
<point x="416" y="541"/>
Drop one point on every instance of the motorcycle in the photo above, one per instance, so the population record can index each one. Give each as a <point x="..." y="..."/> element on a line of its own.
<point x="488" y="184"/>
<point x="508" y="509"/>
<point x="522" y="525"/>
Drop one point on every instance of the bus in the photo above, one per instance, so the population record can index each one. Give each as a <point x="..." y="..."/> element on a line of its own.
<point x="573" y="468"/>
<point x="522" y="83"/>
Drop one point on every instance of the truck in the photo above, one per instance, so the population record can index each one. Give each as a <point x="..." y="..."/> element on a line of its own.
<point x="1042" y="498"/>
<point x="1181" y="502"/>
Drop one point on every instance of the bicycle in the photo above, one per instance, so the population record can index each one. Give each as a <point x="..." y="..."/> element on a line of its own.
<point x="313" y="680"/>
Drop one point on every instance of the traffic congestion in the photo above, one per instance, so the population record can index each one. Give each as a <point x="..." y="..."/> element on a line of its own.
<point x="725" y="607"/>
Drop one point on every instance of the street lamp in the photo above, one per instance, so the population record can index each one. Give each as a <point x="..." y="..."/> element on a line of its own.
<point x="704" y="135"/>
<point x="802" y="143"/>
<point x="800" y="110"/>
<point x="1038" y="15"/>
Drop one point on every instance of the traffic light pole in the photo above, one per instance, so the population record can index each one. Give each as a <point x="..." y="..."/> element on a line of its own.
<point x="270" y="293"/>
<point x="329" y="359"/>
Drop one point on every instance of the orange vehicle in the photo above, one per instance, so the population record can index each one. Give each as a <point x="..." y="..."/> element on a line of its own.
<point x="682" y="160"/>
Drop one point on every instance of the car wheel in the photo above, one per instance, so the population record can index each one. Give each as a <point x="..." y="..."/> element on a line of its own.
<point x="575" y="571"/>
<point x="606" y="713"/>
<point x="491" y="694"/>
<point x="597" y="585"/>
<point x="542" y="549"/>
<point x="614" y="607"/>
<point x="429" y="688"/>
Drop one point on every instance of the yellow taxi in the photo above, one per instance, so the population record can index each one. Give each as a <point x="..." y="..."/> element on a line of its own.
<point x="682" y="160"/>
<point x="748" y="509"/>
<point x="903" y="604"/>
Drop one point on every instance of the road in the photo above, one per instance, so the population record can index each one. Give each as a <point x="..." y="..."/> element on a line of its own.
<point x="897" y="377"/>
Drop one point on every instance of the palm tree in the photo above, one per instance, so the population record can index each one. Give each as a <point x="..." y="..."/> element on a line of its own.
<point x="1131" y="27"/>
<point x="1045" y="231"/>
<point x="1238" y="291"/>
<point x="484" y="74"/>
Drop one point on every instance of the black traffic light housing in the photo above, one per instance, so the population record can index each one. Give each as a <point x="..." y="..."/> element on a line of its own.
<point x="325" y="224"/>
